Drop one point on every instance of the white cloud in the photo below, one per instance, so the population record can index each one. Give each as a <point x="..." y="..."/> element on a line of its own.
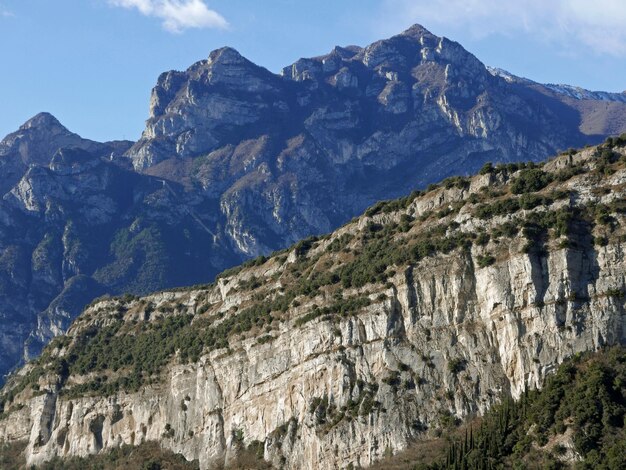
<point x="4" y="13"/>
<point x="597" y="25"/>
<point x="177" y="15"/>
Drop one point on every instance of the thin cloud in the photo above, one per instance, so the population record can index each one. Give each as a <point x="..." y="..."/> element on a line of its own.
<point x="177" y="15"/>
<point x="597" y="26"/>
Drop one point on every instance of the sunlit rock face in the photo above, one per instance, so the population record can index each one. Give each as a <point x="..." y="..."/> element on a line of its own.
<point x="440" y="338"/>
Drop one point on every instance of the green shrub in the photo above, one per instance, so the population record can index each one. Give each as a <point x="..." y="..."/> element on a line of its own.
<point x="530" y="180"/>
<point x="587" y="394"/>
<point x="601" y="241"/>
<point x="487" y="168"/>
<point x="485" y="260"/>
<point x="507" y="229"/>
<point x="264" y="339"/>
<point x="612" y="142"/>
<point x="530" y="201"/>
<point x="456" y="182"/>
<point x="602" y="215"/>
<point x="456" y="365"/>
<point x="500" y="207"/>
<point x="303" y="246"/>
<point x="569" y="172"/>
<point x="147" y="456"/>
<point x="619" y="293"/>
<point x="482" y="239"/>
<point x="392" y="205"/>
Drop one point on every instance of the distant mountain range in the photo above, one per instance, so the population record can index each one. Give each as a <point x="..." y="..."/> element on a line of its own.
<point x="236" y="161"/>
<point x="599" y="111"/>
<point x="567" y="90"/>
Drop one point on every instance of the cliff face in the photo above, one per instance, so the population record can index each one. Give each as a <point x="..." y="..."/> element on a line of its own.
<point x="344" y="349"/>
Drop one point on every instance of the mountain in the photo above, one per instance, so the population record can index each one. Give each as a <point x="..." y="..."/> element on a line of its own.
<point x="297" y="154"/>
<point x="599" y="112"/>
<point x="347" y="348"/>
<point x="236" y="161"/>
<point x="34" y="144"/>
<point x="75" y="225"/>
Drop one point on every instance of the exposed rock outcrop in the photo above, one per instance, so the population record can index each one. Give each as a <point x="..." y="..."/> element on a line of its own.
<point x="480" y="292"/>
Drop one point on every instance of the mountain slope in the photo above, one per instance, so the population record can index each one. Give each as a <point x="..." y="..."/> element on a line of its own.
<point x="75" y="225"/>
<point x="575" y="421"/>
<point x="237" y="161"/>
<point x="344" y="349"/>
<point x="599" y="112"/>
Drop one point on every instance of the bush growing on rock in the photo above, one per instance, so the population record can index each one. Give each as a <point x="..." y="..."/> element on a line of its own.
<point x="530" y="180"/>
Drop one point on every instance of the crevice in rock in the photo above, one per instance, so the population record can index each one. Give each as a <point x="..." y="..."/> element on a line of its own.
<point x="95" y="427"/>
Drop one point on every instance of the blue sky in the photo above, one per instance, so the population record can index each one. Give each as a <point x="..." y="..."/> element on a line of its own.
<point x="92" y="63"/>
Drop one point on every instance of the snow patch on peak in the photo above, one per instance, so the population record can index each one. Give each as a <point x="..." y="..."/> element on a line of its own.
<point x="508" y="76"/>
<point x="579" y="93"/>
<point x="574" y="92"/>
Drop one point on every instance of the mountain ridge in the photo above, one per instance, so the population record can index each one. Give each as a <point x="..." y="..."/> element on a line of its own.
<point x="572" y="91"/>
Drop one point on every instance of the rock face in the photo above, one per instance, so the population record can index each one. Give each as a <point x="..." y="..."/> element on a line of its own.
<point x="292" y="155"/>
<point x="465" y="308"/>
<point x="236" y="162"/>
<point x="34" y="144"/>
<point x="75" y="225"/>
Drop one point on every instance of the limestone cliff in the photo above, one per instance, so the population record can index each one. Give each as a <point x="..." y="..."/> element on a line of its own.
<point x="348" y="347"/>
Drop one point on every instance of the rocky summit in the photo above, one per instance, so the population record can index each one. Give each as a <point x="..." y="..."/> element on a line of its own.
<point x="347" y="348"/>
<point x="236" y="161"/>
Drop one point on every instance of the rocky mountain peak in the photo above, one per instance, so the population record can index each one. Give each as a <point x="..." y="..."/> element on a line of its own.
<point x="418" y="48"/>
<point x="43" y="126"/>
<point x="227" y="66"/>
<point x="416" y="31"/>
<point x="36" y="141"/>
<point x="191" y="112"/>
<point x="44" y="121"/>
<point x="227" y="56"/>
